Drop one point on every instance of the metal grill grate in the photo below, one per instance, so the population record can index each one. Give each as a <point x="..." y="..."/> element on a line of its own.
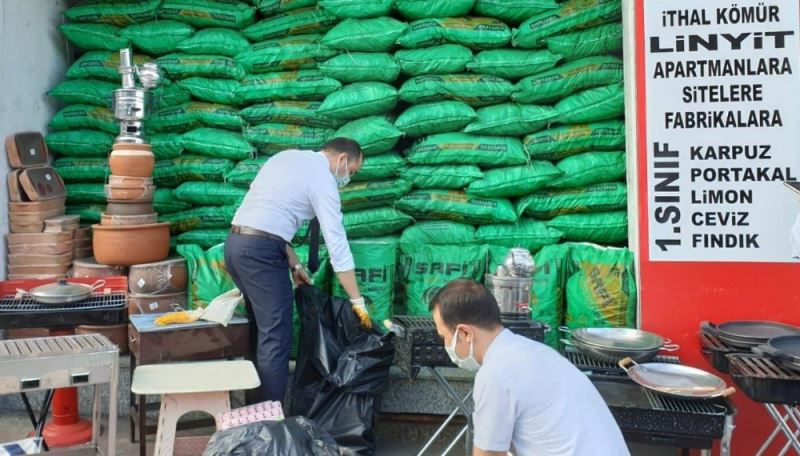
<point x="582" y="361"/>
<point x="415" y="322"/>
<point x="713" y="343"/>
<point x="53" y="346"/>
<point x="671" y="404"/>
<point x="758" y="367"/>
<point x="27" y="304"/>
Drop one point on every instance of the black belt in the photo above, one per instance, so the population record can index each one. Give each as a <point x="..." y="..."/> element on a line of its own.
<point x="236" y="229"/>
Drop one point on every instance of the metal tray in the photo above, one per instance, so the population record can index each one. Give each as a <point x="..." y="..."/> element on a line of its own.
<point x="677" y="380"/>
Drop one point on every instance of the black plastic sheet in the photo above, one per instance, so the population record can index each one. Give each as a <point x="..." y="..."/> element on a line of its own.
<point x="341" y="371"/>
<point x="297" y="436"/>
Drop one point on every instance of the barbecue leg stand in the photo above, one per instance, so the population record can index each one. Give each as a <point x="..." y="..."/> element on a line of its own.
<point x="461" y="406"/>
<point x="782" y="426"/>
<point x="67" y="428"/>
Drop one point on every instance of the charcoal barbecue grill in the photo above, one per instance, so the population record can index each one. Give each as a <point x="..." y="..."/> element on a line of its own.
<point x="651" y="418"/>
<point x="99" y="309"/>
<point x="48" y="363"/>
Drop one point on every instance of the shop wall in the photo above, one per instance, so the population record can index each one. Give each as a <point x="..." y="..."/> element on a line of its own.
<point x="33" y="58"/>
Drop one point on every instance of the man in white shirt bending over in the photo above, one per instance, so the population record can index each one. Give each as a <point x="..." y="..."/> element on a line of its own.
<point x="294" y="186"/>
<point x="529" y="400"/>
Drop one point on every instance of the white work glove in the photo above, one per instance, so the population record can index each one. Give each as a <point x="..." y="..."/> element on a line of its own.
<point x="360" y="309"/>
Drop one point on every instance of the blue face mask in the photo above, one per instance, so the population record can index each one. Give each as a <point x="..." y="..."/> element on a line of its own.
<point x="343" y="180"/>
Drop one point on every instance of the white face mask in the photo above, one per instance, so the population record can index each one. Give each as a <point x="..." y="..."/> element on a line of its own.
<point x="469" y="363"/>
<point x="341" y="181"/>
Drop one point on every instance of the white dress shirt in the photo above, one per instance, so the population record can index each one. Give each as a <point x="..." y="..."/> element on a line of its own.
<point x="531" y="401"/>
<point x="291" y="188"/>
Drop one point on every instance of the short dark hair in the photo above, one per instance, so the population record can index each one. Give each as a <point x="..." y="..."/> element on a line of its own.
<point x="344" y="146"/>
<point x="468" y="302"/>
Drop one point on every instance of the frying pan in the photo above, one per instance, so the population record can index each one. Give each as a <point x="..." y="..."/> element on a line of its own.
<point x="676" y="380"/>
<point x="748" y="333"/>
<point x="784" y="349"/>
<point x="611" y="345"/>
<point x="61" y="292"/>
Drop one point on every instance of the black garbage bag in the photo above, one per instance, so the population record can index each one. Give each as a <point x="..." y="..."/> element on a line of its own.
<point x="297" y="436"/>
<point x="341" y="370"/>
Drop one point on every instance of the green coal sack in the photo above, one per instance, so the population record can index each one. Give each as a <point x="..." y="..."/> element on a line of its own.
<point x="80" y="143"/>
<point x="208" y="277"/>
<point x="199" y="218"/>
<point x="364" y="195"/>
<point x="514" y="181"/>
<point x="426" y="269"/>
<point x="475" y="90"/>
<point x="456" y="206"/>
<point x="376" y="264"/>
<point x="288" y="85"/>
<point x="86" y="193"/>
<point x="590" y="168"/>
<point x="220" y="91"/>
<point x="288" y="111"/>
<point x="571" y="15"/>
<point x="560" y="142"/>
<point x="437" y="117"/>
<point x="360" y="99"/>
<point x="204" y="238"/>
<point x="273" y="7"/>
<point x="419" y="9"/>
<point x="594" y="198"/>
<point x="513" y="11"/>
<point x="209" y="193"/>
<point x="593" y="105"/>
<point x="513" y="63"/>
<point x="157" y="37"/>
<point x="213" y="142"/>
<point x="209" y="13"/>
<point x="85" y="117"/>
<point x="601" y="288"/>
<point x="438" y="232"/>
<point x="94" y="36"/>
<point x="285" y="54"/>
<point x="547" y="289"/>
<point x="82" y="169"/>
<point x="361" y="67"/>
<point x="275" y="137"/>
<point x="601" y="40"/>
<point x="379" y="167"/>
<point x="464" y="149"/>
<point x="89" y="213"/>
<point x="301" y="21"/>
<point x="376" y="222"/>
<point x="101" y="65"/>
<point x="84" y="91"/>
<point x="113" y="12"/>
<point x="215" y="41"/>
<point x="511" y="119"/>
<point x="171" y="173"/>
<point x="569" y="78"/>
<point x="193" y="115"/>
<point x="473" y="32"/>
<point x="376" y="134"/>
<point x="168" y="94"/>
<point x="365" y="35"/>
<point x="357" y="9"/>
<point x="166" y="145"/>
<point x="164" y="202"/>
<point x="529" y="234"/>
<point x="245" y="171"/>
<point x="443" y="177"/>
<point x="599" y="227"/>
<point x="181" y="66"/>
<point x="442" y="59"/>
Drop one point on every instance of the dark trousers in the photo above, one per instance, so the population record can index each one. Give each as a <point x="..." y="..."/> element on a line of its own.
<point x="260" y="269"/>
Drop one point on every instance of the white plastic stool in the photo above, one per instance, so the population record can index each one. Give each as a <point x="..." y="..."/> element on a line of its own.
<point x="189" y="387"/>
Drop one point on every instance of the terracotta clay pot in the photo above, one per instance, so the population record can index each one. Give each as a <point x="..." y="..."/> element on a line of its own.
<point x="168" y="276"/>
<point x="129" y="208"/>
<point x="128" y="181"/>
<point x="129" y="245"/>
<point x="140" y="194"/>
<point x="169" y="302"/>
<point x="126" y="220"/>
<point x="88" y="267"/>
<point x="131" y="162"/>
<point x="117" y="334"/>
